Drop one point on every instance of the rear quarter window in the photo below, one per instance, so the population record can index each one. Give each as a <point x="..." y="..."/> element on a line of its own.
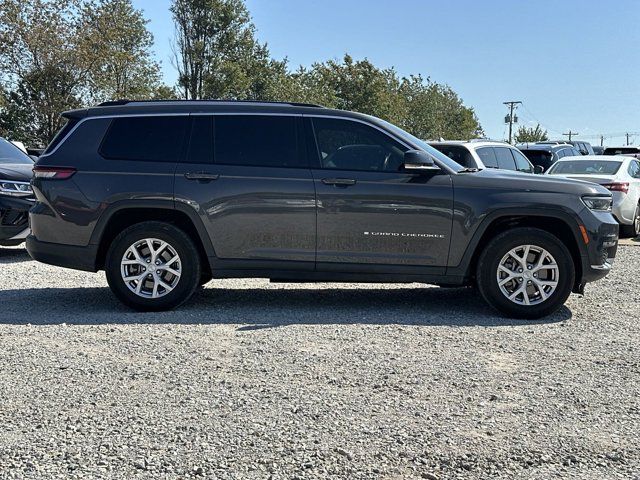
<point x="153" y="138"/>
<point x="488" y="157"/>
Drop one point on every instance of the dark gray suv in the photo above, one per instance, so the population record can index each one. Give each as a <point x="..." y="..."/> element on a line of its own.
<point x="164" y="196"/>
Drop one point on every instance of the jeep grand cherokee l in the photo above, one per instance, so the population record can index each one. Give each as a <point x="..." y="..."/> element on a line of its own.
<point x="164" y="196"/>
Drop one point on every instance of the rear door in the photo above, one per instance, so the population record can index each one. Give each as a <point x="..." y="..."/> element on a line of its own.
<point x="246" y="177"/>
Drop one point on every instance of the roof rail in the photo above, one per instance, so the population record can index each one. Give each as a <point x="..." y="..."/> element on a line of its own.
<point x="113" y="103"/>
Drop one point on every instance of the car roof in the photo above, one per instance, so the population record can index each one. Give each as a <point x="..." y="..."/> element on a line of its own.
<point x="123" y="107"/>
<point x="547" y="147"/>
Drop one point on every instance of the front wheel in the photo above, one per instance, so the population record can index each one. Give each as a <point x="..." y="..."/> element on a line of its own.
<point x="525" y="273"/>
<point x="153" y="266"/>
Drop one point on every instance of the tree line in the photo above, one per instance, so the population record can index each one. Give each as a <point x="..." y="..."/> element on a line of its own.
<point x="57" y="55"/>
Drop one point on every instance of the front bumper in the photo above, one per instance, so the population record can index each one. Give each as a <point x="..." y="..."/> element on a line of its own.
<point x="600" y="252"/>
<point x="14" y="220"/>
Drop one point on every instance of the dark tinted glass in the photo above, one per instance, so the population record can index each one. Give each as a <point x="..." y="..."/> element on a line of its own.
<point x="348" y="145"/>
<point x="634" y="169"/>
<point x="62" y="133"/>
<point x="522" y="164"/>
<point x="621" y="150"/>
<point x="157" y="138"/>
<point x="488" y="157"/>
<point x="539" y="158"/>
<point x="505" y="159"/>
<point x="256" y="140"/>
<point x="201" y="141"/>
<point x="458" y="153"/>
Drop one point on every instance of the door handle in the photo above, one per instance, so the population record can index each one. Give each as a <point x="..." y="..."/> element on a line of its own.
<point x="201" y="176"/>
<point x="339" y="182"/>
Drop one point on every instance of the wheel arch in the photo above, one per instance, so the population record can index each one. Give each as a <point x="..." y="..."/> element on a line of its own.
<point x="119" y="217"/>
<point x="558" y="224"/>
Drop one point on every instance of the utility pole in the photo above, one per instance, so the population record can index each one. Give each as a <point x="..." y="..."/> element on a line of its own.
<point x="510" y="119"/>
<point x="602" y="140"/>
<point x="571" y="134"/>
<point x="627" y="138"/>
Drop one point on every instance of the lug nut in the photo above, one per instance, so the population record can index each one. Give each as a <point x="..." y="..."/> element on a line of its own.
<point x="158" y="272"/>
<point x="148" y="261"/>
<point x="529" y="267"/>
<point x="519" y="270"/>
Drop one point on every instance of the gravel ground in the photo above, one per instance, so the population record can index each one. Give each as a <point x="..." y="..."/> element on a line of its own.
<point x="254" y="380"/>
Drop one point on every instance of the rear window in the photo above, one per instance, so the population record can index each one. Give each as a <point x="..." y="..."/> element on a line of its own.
<point x="153" y="138"/>
<point x="621" y="150"/>
<point x="458" y="153"/>
<point x="62" y="133"/>
<point x="256" y="140"/>
<point x="539" y="158"/>
<point x="585" y="167"/>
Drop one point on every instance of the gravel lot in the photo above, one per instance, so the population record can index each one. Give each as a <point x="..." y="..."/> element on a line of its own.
<point x="254" y="380"/>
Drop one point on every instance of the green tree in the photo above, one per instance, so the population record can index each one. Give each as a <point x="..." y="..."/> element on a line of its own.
<point x="530" y="134"/>
<point x="216" y="53"/>
<point x="116" y="35"/>
<point x="57" y="55"/>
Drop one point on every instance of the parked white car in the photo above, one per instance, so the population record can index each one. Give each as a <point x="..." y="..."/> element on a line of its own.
<point x="486" y="154"/>
<point x="619" y="174"/>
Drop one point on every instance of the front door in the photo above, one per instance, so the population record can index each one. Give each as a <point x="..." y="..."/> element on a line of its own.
<point x="371" y="212"/>
<point x="247" y="177"/>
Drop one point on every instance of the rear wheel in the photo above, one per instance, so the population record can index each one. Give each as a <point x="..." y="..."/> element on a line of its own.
<point x="632" y="230"/>
<point x="153" y="266"/>
<point x="525" y="273"/>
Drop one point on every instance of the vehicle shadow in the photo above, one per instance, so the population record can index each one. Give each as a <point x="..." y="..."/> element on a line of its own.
<point x="13" y="255"/>
<point x="260" y="308"/>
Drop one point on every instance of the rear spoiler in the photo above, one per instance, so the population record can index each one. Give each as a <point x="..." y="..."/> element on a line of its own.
<point x="75" y="114"/>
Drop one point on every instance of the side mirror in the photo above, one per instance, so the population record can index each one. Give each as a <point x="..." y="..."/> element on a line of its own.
<point x="538" y="169"/>
<point x="417" y="161"/>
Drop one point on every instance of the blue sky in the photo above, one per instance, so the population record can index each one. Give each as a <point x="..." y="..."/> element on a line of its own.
<point x="575" y="64"/>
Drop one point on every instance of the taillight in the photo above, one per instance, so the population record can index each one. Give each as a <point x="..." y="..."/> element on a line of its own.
<point x="54" y="173"/>
<point x="617" y="187"/>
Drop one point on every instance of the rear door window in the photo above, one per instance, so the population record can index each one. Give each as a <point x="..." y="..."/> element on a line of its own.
<point x="151" y="138"/>
<point x="488" y="157"/>
<point x="505" y="159"/>
<point x="257" y="140"/>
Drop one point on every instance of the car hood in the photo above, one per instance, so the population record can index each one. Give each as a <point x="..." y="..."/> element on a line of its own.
<point x="545" y="183"/>
<point x="19" y="172"/>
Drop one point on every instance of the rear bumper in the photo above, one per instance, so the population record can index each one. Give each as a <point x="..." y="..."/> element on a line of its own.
<point x="68" y="256"/>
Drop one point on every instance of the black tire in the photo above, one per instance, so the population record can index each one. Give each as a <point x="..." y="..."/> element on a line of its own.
<point x="492" y="256"/>
<point x="183" y="246"/>
<point x="633" y="230"/>
<point x="205" y="277"/>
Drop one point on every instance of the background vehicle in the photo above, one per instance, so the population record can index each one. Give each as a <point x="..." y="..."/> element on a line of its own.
<point x="485" y="154"/>
<point x="546" y="154"/>
<point x="627" y="150"/>
<point x="16" y="196"/>
<point x="620" y="175"/>
<point x="598" y="150"/>
<point x="584" y="148"/>
<point x="166" y="195"/>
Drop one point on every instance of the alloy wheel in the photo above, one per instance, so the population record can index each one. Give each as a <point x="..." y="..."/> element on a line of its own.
<point x="528" y="275"/>
<point x="151" y="268"/>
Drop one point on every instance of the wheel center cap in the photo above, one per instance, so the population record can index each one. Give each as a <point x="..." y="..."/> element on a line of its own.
<point x="527" y="275"/>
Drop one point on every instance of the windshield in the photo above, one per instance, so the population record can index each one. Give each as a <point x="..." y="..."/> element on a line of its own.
<point x="441" y="157"/>
<point x="585" y="167"/>
<point x="9" y="153"/>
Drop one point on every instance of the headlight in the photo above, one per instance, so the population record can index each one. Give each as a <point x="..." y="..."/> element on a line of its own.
<point x="600" y="204"/>
<point x="15" y="189"/>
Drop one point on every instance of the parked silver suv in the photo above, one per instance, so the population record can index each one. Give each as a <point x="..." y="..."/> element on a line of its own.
<point x="483" y="154"/>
